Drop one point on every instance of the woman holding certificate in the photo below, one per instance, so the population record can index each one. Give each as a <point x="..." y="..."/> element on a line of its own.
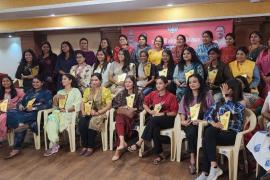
<point x="119" y="70"/>
<point x="162" y="107"/>
<point x="189" y="64"/>
<point x="67" y="104"/>
<point x="192" y="107"/>
<point x="25" y="114"/>
<point x="226" y="120"/>
<point x="97" y="100"/>
<point x="146" y="74"/>
<point x="128" y="104"/>
<point x="9" y="97"/>
<point x="217" y="73"/>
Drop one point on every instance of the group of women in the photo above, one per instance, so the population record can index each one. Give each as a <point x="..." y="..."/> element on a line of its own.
<point x="161" y="81"/>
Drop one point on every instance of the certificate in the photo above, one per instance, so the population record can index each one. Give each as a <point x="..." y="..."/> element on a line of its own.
<point x="224" y="120"/>
<point x="62" y="101"/>
<point x="30" y="103"/>
<point x="164" y="72"/>
<point x="158" y="107"/>
<point x="88" y="107"/>
<point x="130" y="100"/>
<point x="4" y="105"/>
<point x="194" y="112"/>
<point x="147" y="69"/>
<point x="212" y="75"/>
<point x="188" y="74"/>
<point x="121" y="77"/>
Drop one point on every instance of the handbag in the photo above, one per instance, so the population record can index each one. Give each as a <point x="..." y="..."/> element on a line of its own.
<point x="97" y="122"/>
<point x="127" y="112"/>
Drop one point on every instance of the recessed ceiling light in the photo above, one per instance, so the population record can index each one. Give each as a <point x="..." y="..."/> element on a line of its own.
<point x="9" y="36"/>
<point x="52" y="15"/>
<point x="169" y="5"/>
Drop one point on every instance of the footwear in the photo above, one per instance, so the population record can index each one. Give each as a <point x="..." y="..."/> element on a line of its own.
<point x="192" y="169"/>
<point x="83" y="151"/>
<point x="202" y="177"/>
<point x="133" y="148"/>
<point x="13" y="153"/>
<point x="120" y="152"/>
<point x="158" y="160"/>
<point x="88" y="153"/>
<point x="51" y="151"/>
<point x="214" y="173"/>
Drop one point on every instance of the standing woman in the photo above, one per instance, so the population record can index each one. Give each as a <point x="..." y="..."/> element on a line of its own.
<point x="214" y="134"/>
<point x="102" y="66"/>
<point x="27" y="69"/>
<point x="105" y="46"/>
<point x="217" y="73"/>
<point x="89" y="124"/>
<point x="82" y="71"/>
<point x="126" y="115"/>
<point x="263" y="63"/>
<point x="155" y="54"/>
<point x="229" y="51"/>
<point x="59" y="120"/>
<point x="167" y="65"/>
<point x="247" y="68"/>
<point x="179" y="48"/>
<point x="196" y="93"/>
<point x="202" y="49"/>
<point x="255" y="47"/>
<point x="123" y="44"/>
<point x="64" y="62"/>
<point x="188" y="64"/>
<point x="119" y="70"/>
<point x="88" y="54"/>
<point x="25" y="114"/>
<point x="47" y="62"/>
<point x="146" y="74"/>
<point x="13" y="95"/>
<point x="142" y="46"/>
<point x="162" y="107"/>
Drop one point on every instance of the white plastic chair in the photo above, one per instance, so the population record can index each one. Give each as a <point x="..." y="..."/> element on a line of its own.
<point x="232" y="152"/>
<point x="112" y="127"/>
<point x="10" y="135"/>
<point x="104" y="133"/>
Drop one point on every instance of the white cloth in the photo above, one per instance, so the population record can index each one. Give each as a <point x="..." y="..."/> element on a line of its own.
<point x="259" y="146"/>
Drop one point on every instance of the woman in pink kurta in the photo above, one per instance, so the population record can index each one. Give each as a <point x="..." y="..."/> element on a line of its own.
<point x="263" y="63"/>
<point x="8" y="91"/>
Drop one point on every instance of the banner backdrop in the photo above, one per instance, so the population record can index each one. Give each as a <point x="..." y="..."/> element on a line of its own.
<point x="192" y="31"/>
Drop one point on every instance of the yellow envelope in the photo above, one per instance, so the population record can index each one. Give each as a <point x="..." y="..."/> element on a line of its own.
<point x="30" y="103"/>
<point x="194" y="112"/>
<point x="212" y="75"/>
<point x="73" y="73"/>
<point x="121" y="77"/>
<point x="4" y="105"/>
<point x="158" y="107"/>
<point x="189" y="73"/>
<point x="88" y="107"/>
<point x="164" y="72"/>
<point x="224" y="120"/>
<point x="62" y="102"/>
<point x="34" y="71"/>
<point x="147" y="69"/>
<point x="244" y="75"/>
<point x="130" y="100"/>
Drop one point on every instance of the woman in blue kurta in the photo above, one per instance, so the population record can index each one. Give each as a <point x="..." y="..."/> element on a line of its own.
<point x="65" y="61"/>
<point x="23" y="117"/>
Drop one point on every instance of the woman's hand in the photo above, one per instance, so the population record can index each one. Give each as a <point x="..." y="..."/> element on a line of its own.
<point x="217" y="125"/>
<point x="225" y="89"/>
<point x="185" y="123"/>
<point x="62" y="110"/>
<point x="21" y="108"/>
<point x="183" y="84"/>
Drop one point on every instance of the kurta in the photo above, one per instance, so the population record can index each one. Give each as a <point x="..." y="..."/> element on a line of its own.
<point x="155" y="56"/>
<point x="82" y="73"/>
<point x="11" y="105"/>
<point x="143" y="77"/>
<point x="253" y="54"/>
<point x="43" y="101"/>
<point x="59" y="121"/>
<point x="228" y="54"/>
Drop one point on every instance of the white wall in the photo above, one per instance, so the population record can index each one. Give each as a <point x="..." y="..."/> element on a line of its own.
<point x="74" y="38"/>
<point x="10" y="55"/>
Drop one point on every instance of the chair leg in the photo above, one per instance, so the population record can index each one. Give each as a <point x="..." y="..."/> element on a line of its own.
<point x="179" y="150"/>
<point x="257" y="170"/>
<point x="172" y="148"/>
<point x="231" y="166"/>
<point x="37" y="141"/>
<point x="197" y="159"/>
<point x="45" y="139"/>
<point x="111" y="139"/>
<point x="245" y="160"/>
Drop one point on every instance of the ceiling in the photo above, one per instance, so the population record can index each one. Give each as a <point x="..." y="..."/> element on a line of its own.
<point x="89" y="7"/>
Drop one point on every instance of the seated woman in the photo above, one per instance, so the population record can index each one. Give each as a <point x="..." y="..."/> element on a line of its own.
<point x="128" y="104"/>
<point x="188" y="64"/>
<point x="166" y="68"/>
<point x="196" y="94"/>
<point x="25" y="114"/>
<point x="119" y="70"/>
<point x="82" y="71"/>
<point x="247" y="68"/>
<point x="97" y="100"/>
<point x="102" y="66"/>
<point x="218" y="73"/>
<point x="11" y="95"/>
<point x="162" y="107"/>
<point x="146" y="74"/>
<point x="226" y="120"/>
<point x="67" y="102"/>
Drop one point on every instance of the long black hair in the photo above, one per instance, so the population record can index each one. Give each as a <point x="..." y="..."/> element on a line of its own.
<point x="50" y="47"/>
<point x="108" y="49"/>
<point x="105" y="64"/>
<point x="145" y="37"/>
<point x="74" y="82"/>
<point x="245" y="82"/>
<point x="71" y="50"/>
<point x="34" y="58"/>
<point x="135" y="87"/>
<point x="194" y="58"/>
<point x="236" y="87"/>
<point x="13" y="92"/>
<point x="170" y="62"/>
<point x="127" y="60"/>
<point x="189" y="97"/>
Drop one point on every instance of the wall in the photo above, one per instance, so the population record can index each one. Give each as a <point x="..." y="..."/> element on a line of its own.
<point x="10" y="55"/>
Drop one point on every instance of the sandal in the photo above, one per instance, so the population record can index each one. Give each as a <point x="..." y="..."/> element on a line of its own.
<point x="134" y="147"/>
<point x="192" y="169"/>
<point x="83" y="151"/>
<point x="121" y="152"/>
<point x="13" y="153"/>
<point x="88" y="153"/>
<point x="158" y="160"/>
